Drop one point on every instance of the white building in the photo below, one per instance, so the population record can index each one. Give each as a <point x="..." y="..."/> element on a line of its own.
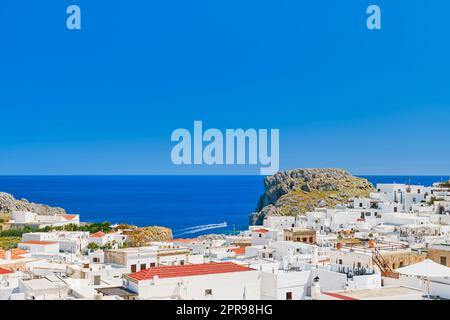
<point x="101" y="239"/>
<point x="221" y="281"/>
<point x="69" y="241"/>
<point x="284" y="285"/>
<point x="141" y="258"/>
<point x="263" y="236"/>
<point x="9" y="282"/>
<point x="32" y="219"/>
<point x="40" y="247"/>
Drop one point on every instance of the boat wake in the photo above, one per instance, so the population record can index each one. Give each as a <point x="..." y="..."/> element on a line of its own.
<point x="201" y="228"/>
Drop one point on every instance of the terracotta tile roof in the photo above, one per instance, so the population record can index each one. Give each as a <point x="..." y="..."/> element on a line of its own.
<point x="261" y="230"/>
<point x="5" y="271"/>
<point x="15" y="253"/>
<point x="97" y="235"/>
<point x="239" y="251"/>
<point x="38" y="242"/>
<point x="338" y="296"/>
<point x="18" y="251"/>
<point x="69" y="216"/>
<point x="184" y="240"/>
<point x="188" y="270"/>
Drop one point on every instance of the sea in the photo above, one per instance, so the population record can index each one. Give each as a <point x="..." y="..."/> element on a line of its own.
<point x="189" y="205"/>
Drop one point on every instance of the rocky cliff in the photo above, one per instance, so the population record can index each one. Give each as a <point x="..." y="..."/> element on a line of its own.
<point x="295" y="192"/>
<point x="8" y="204"/>
<point x="143" y="236"/>
<point x="156" y="233"/>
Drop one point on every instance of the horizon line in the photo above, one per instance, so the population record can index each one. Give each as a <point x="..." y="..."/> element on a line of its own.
<point x="204" y="175"/>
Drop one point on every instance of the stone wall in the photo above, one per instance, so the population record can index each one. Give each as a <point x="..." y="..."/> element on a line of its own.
<point x="435" y="255"/>
<point x="402" y="259"/>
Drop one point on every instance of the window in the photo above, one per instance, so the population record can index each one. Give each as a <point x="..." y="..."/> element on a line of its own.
<point x="311" y="240"/>
<point x="395" y="209"/>
<point x="133" y="268"/>
<point x="96" y="260"/>
<point x="152" y="264"/>
<point x="304" y="239"/>
<point x="360" y="204"/>
<point x="208" y="292"/>
<point x="143" y="266"/>
<point x="181" y="262"/>
<point x="444" y="261"/>
<point x="288" y="295"/>
<point x="359" y="264"/>
<point x="260" y="235"/>
<point x="340" y="261"/>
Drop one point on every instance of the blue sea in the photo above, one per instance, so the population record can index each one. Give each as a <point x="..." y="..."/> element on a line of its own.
<point x="189" y="205"/>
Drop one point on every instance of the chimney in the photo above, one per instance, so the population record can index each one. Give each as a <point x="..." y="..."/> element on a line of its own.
<point x="98" y="296"/>
<point x="315" y="289"/>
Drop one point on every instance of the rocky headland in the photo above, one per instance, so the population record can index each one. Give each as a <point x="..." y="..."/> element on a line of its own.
<point x="295" y="192"/>
<point x="8" y="204"/>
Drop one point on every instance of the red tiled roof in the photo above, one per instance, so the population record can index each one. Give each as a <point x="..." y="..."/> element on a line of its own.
<point x="338" y="296"/>
<point x="15" y="253"/>
<point x="184" y="240"/>
<point x="238" y="251"/>
<point x="5" y="271"/>
<point x="261" y="230"/>
<point x="38" y="242"/>
<point x="188" y="270"/>
<point x="69" y="216"/>
<point x="97" y="235"/>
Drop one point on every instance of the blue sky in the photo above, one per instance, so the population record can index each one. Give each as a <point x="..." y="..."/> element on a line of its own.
<point x="104" y="100"/>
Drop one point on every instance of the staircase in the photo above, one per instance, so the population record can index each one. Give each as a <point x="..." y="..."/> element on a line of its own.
<point x="386" y="270"/>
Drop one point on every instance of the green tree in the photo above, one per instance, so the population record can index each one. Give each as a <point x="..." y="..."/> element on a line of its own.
<point x="93" y="246"/>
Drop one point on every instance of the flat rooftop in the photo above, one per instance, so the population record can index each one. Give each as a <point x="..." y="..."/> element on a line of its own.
<point x="47" y="283"/>
<point x="384" y="293"/>
<point x="116" y="291"/>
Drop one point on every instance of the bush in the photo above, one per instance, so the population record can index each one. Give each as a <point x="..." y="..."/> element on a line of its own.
<point x="93" y="246"/>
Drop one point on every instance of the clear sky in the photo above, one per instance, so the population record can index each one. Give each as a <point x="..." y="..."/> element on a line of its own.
<point x="105" y="99"/>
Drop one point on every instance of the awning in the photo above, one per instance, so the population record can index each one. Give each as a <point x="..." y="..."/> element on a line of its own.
<point x="426" y="268"/>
